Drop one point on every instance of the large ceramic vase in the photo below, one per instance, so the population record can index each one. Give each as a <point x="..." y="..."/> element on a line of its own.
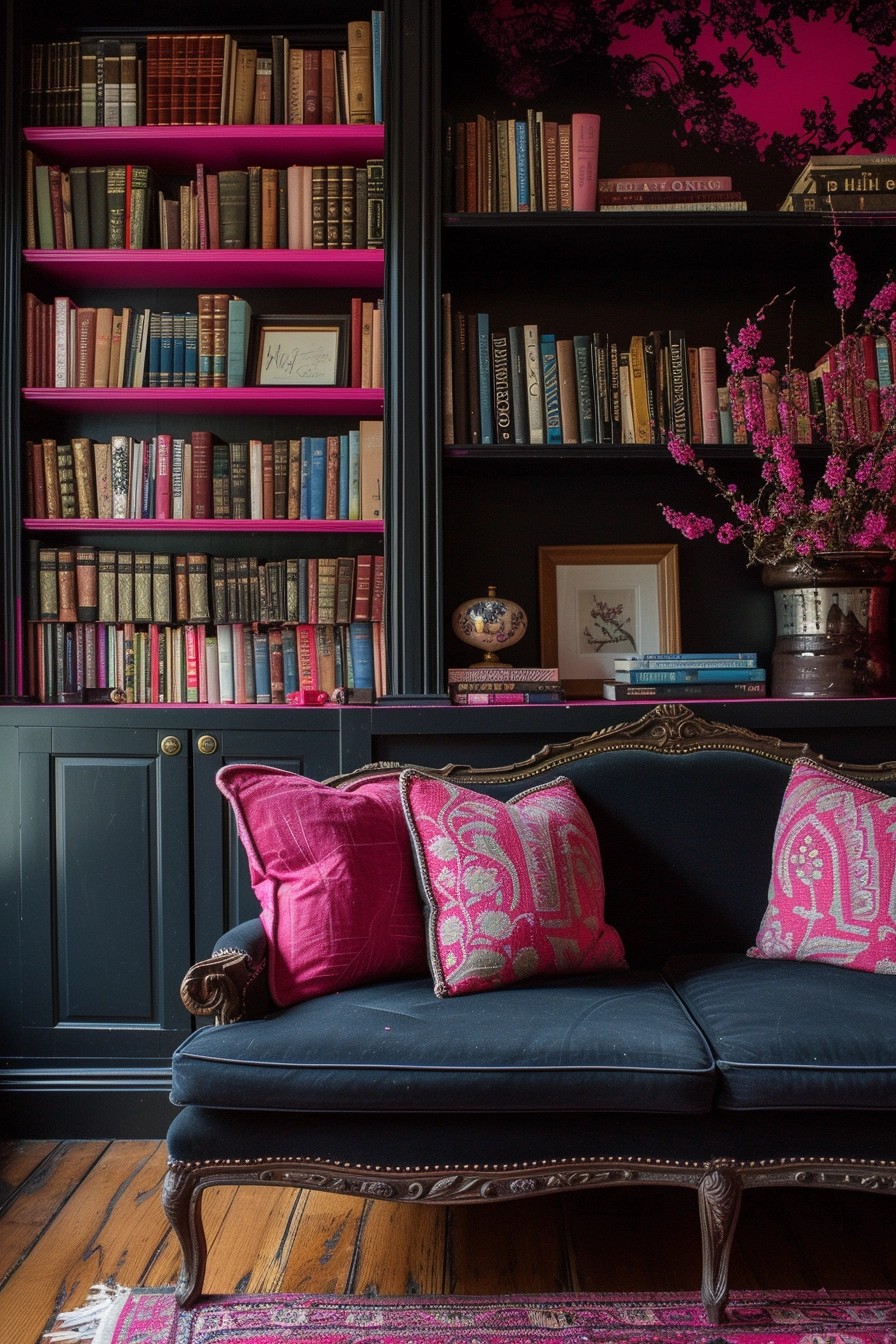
<point x="833" y="625"/>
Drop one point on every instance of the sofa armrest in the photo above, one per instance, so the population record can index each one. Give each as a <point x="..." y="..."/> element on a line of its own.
<point x="232" y="983"/>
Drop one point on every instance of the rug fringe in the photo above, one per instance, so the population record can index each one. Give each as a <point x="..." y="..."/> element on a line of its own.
<point x="93" y="1322"/>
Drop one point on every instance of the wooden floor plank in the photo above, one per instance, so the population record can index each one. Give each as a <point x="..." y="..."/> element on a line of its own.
<point x="324" y="1254"/>
<point x="18" y="1159"/>
<point x="42" y="1193"/>
<point x="83" y="1244"/>
<point x="402" y="1251"/>
<point x="250" y="1241"/>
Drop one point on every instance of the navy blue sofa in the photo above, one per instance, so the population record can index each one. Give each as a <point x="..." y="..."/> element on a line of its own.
<point x="698" y="1066"/>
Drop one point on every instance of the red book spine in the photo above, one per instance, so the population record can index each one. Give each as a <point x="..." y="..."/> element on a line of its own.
<point x="201" y="441"/>
<point x="163" y="476"/>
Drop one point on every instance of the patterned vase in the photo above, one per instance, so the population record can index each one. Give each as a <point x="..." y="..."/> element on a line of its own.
<point x="833" y="626"/>
<point x="491" y="624"/>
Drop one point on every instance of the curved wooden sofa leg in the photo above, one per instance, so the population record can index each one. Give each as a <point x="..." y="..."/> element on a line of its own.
<point x="719" y="1195"/>
<point x="182" y="1202"/>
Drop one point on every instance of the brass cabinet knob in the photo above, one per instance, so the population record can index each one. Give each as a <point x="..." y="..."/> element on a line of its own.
<point x="171" y="746"/>
<point x="207" y="744"/>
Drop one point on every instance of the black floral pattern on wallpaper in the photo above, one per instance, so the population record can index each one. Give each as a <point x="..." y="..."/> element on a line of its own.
<point x="532" y="43"/>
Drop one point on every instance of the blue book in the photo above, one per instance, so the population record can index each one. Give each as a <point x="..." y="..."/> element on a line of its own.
<point x="360" y="642"/>
<point x="317" y="477"/>
<point x="342" y="511"/>
<point x="354" y="475"/>
<point x="304" y="477"/>
<point x="659" y="676"/>
<point x="238" y="318"/>
<point x="166" y="350"/>
<point x="521" y="145"/>
<point x="191" y="349"/>
<point x="677" y="660"/>
<point x="486" y="411"/>
<point x="376" y="54"/>
<point x="551" y="382"/>
<point x="154" y="351"/>
<point x="179" y="351"/>
<point x="262" y="657"/>
<point x="290" y="660"/>
<point x="582" y="348"/>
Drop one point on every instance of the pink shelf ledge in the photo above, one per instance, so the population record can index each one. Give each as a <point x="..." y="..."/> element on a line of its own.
<point x="349" y="401"/>
<point x="201" y="525"/>
<point x="115" y="268"/>
<point x="214" y="146"/>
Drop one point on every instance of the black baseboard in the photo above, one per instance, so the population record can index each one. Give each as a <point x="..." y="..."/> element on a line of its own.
<point x="100" y="1104"/>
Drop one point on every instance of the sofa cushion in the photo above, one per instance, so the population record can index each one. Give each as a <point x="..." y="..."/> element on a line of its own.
<point x="514" y="889"/>
<point x="793" y="1034"/>
<point x="832" y="895"/>
<point x="333" y="872"/>
<point x="615" y="1041"/>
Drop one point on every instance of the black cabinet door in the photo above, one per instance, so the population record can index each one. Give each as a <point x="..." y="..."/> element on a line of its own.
<point x="224" y="895"/>
<point x="104" y="900"/>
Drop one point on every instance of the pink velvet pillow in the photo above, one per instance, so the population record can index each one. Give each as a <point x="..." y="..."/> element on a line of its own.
<point x="832" y="895"/>
<point x="334" y="874"/>
<point x="514" y="889"/>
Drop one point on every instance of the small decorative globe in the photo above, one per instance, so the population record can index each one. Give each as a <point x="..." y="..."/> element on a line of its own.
<point x="490" y="624"/>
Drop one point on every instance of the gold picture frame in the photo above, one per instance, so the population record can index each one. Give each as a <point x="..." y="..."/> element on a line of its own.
<point x="599" y="602"/>
<point x="300" y="351"/>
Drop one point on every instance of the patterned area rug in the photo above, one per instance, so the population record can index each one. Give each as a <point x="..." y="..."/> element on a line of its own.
<point x="150" y="1316"/>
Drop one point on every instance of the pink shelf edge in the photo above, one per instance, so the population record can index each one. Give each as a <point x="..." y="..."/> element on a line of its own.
<point x="202" y="524"/>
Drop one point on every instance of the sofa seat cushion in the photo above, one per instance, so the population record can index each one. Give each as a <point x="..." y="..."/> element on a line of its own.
<point x="790" y="1034"/>
<point x="610" y="1041"/>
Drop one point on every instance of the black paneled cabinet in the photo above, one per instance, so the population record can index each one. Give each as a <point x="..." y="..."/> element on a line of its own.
<point x="120" y="865"/>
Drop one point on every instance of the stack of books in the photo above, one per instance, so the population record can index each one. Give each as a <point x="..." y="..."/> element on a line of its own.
<point x="844" y="184"/>
<point x="669" y="191"/>
<point x="686" y="676"/>
<point x="496" y="684"/>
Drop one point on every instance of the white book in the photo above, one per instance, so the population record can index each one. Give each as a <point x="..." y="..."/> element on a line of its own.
<point x="225" y="665"/>
<point x="534" y="389"/>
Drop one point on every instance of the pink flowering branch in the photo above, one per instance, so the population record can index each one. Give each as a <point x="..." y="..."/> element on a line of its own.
<point x="853" y="503"/>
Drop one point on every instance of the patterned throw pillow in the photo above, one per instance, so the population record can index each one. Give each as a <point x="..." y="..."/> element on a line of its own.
<point x="514" y="889"/>
<point x="334" y="874"/>
<point x="833" y="889"/>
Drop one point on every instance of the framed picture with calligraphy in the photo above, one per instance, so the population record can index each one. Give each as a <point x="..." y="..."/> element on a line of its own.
<point x="300" y="351"/>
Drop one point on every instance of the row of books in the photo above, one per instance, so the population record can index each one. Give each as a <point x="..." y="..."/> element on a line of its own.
<point x="524" y="385"/>
<point x="178" y="78"/>
<point x="497" y="684"/>
<point x="520" y="385"/>
<point x="686" y="676"/>
<point x="122" y="205"/>
<point x="523" y="164"/>
<point x="86" y="583"/>
<point x="536" y="163"/>
<point x="844" y="184"/>
<point x="213" y="345"/>
<point x="234" y="663"/>
<point x="168" y="476"/>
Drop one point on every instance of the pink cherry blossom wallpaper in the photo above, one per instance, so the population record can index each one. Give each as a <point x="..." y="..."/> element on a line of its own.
<point x="768" y="82"/>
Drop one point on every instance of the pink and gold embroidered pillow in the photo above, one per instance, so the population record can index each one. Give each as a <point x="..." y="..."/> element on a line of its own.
<point x="334" y="874"/>
<point x="832" y="895"/>
<point x="514" y="889"/>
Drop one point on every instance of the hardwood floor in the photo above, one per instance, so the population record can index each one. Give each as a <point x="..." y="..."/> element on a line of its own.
<point x="76" y="1213"/>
